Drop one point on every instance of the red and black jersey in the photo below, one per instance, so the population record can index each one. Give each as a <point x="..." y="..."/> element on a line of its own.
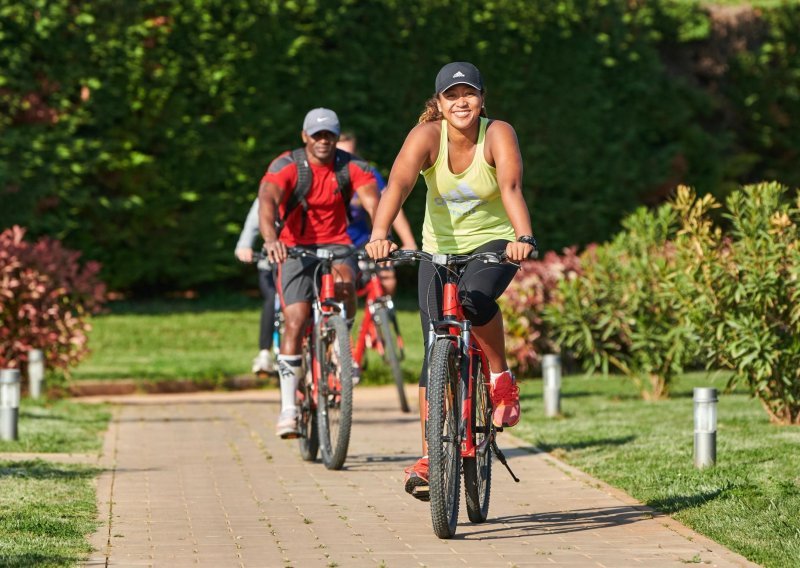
<point x="326" y="218"/>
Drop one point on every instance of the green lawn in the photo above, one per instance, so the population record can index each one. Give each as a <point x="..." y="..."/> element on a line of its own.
<point x="208" y="340"/>
<point x="750" y="501"/>
<point x="59" y="426"/>
<point x="47" y="509"/>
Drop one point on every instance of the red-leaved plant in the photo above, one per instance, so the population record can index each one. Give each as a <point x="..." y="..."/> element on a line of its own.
<point x="527" y="337"/>
<point x="45" y="296"/>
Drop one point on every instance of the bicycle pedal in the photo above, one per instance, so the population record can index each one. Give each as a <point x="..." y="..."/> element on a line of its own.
<point x="290" y="435"/>
<point x="418" y="488"/>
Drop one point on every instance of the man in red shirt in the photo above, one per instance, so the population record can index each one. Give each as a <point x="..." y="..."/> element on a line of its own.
<point x="321" y="220"/>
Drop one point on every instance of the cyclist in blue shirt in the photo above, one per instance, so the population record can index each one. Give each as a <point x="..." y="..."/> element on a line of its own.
<point x="359" y="229"/>
<point x="264" y="362"/>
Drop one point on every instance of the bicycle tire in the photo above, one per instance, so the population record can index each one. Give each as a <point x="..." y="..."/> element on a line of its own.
<point x="444" y="448"/>
<point x="478" y="470"/>
<point x="391" y="354"/>
<point x="335" y="392"/>
<point x="307" y="422"/>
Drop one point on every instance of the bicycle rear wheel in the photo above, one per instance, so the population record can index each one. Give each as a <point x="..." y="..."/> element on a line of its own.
<point x="444" y="449"/>
<point x="478" y="470"/>
<point x="391" y="353"/>
<point x="307" y="423"/>
<point x="335" y="393"/>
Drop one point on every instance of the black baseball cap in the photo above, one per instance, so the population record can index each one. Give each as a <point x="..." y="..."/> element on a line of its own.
<point x="457" y="73"/>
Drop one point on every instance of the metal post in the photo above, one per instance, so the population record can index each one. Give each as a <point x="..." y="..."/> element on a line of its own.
<point x="551" y="375"/>
<point x="35" y="372"/>
<point x="9" y="403"/>
<point x="705" y="427"/>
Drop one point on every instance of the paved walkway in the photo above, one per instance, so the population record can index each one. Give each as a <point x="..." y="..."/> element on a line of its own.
<point x="201" y="480"/>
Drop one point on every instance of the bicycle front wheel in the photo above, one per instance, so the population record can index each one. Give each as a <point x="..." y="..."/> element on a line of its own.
<point x="391" y="353"/>
<point x="335" y="392"/>
<point x="478" y="470"/>
<point x="444" y="449"/>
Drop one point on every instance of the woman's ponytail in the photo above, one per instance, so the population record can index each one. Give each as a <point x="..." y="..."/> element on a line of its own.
<point x="431" y="113"/>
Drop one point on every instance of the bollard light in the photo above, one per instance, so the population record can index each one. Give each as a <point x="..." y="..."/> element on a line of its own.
<point x="9" y="403"/>
<point x="551" y="377"/>
<point x="705" y="427"/>
<point x="35" y="372"/>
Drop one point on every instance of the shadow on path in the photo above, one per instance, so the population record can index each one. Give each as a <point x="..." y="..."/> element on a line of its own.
<point x="560" y="522"/>
<point x="374" y="462"/>
<point x="166" y="419"/>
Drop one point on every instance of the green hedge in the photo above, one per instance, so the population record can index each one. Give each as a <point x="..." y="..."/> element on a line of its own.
<point x="137" y="131"/>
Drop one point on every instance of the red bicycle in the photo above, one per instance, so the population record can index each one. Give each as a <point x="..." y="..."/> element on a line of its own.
<point x="379" y="329"/>
<point x="325" y="396"/>
<point x="459" y="429"/>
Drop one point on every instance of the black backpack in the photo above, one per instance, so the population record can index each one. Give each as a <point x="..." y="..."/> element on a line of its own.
<point x="305" y="179"/>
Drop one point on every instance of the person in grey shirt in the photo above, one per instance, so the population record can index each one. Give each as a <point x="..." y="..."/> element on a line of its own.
<point x="264" y="362"/>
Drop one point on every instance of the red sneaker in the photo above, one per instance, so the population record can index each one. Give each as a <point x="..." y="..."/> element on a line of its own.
<point x="505" y="398"/>
<point x="417" y="480"/>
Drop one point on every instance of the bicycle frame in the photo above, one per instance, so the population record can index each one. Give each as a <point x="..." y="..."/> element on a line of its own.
<point x="456" y="327"/>
<point x="324" y="304"/>
<point x="373" y="294"/>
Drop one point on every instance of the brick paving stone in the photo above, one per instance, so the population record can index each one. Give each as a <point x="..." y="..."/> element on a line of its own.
<point x="201" y="480"/>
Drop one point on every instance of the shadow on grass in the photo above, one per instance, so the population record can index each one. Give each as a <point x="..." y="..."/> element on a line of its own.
<point x="677" y="503"/>
<point x="560" y="522"/>
<point x="583" y="444"/>
<point x="28" y="559"/>
<point x="39" y="469"/>
<point x="27" y="415"/>
<point x="537" y="395"/>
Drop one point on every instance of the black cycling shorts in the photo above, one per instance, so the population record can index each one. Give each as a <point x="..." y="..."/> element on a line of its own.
<point x="480" y="286"/>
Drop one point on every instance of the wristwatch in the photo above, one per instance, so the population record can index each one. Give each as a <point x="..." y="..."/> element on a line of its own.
<point x="528" y="240"/>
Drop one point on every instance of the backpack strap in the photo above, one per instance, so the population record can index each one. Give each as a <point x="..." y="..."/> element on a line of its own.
<point x="345" y="186"/>
<point x="298" y="196"/>
<point x="305" y="178"/>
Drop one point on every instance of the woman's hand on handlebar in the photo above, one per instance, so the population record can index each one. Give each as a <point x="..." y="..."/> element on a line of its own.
<point x="275" y="251"/>
<point x="517" y="251"/>
<point x="379" y="248"/>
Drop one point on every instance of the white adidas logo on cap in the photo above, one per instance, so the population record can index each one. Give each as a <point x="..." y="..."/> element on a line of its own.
<point x="458" y="74"/>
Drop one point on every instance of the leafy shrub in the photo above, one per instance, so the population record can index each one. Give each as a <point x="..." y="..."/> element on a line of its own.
<point x="522" y="304"/>
<point x="745" y="292"/>
<point x="45" y="296"/>
<point x="622" y="310"/>
<point x="152" y="122"/>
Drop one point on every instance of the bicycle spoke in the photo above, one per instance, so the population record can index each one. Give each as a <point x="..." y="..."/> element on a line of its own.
<point x="444" y="438"/>
<point x="335" y="399"/>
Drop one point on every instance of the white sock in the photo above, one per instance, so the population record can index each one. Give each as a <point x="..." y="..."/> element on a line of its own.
<point x="493" y="376"/>
<point x="289" y="367"/>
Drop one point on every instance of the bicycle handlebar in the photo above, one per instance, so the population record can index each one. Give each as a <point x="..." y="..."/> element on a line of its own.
<point x="320" y="252"/>
<point x="449" y="259"/>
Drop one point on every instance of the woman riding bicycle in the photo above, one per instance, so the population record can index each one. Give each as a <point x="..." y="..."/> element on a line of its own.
<point x="473" y="170"/>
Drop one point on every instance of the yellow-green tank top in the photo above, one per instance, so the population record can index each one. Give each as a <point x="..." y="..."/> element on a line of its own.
<point x="463" y="211"/>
